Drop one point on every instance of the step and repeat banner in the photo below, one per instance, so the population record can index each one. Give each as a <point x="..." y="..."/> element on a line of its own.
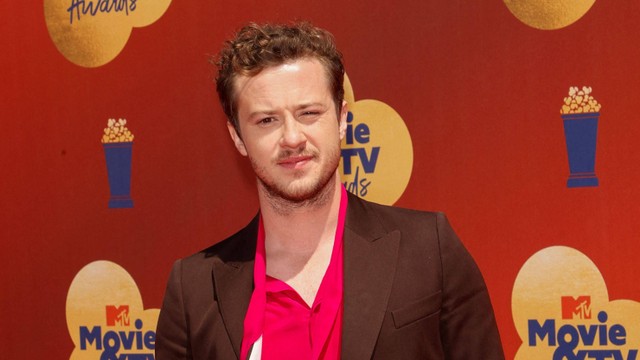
<point x="518" y="118"/>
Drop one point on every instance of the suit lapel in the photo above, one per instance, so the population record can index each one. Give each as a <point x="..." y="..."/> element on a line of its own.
<point x="233" y="281"/>
<point x="234" y="286"/>
<point x="370" y="256"/>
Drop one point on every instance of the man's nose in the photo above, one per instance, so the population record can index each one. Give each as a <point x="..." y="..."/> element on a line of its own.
<point x="292" y="134"/>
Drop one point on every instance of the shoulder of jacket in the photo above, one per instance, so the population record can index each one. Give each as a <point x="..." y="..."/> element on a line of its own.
<point x="237" y="247"/>
<point x="386" y="213"/>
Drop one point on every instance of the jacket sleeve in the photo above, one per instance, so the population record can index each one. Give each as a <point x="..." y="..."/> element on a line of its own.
<point x="172" y="338"/>
<point x="468" y="327"/>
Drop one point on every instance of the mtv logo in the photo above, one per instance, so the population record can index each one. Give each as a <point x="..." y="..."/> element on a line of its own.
<point x="576" y="308"/>
<point x="118" y="315"/>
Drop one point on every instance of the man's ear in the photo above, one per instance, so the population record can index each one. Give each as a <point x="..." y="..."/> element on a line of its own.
<point x="237" y="141"/>
<point x="342" y="122"/>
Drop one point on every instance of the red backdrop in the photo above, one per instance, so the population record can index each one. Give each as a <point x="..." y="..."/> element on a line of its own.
<point x="479" y="91"/>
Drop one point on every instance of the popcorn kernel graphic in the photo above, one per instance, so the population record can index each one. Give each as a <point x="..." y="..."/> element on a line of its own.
<point x="116" y="131"/>
<point x="580" y="101"/>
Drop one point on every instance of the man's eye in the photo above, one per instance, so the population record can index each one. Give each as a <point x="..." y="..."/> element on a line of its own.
<point x="266" y="121"/>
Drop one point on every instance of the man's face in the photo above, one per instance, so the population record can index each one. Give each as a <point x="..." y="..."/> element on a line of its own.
<point x="289" y="128"/>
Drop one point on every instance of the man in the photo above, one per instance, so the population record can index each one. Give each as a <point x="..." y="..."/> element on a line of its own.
<point x="318" y="273"/>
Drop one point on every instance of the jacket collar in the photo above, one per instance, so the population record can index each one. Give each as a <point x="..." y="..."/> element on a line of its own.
<point x="232" y="275"/>
<point x="370" y="255"/>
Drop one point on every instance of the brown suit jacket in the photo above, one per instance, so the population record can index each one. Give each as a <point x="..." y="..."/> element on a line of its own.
<point x="411" y="291"/>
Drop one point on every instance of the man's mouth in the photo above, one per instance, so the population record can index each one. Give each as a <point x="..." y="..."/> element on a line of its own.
<point x="294" y="162"/>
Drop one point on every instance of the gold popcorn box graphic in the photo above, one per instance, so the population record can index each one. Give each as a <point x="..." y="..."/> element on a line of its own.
<point x="117" y="143"/>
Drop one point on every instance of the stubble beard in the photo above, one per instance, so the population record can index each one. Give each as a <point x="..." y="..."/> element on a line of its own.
<point x="315" y="193"/>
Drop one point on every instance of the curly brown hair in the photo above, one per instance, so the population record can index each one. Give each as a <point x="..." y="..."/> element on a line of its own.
<point x="256" y="47"/>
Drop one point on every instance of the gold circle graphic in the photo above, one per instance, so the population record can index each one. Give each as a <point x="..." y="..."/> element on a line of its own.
<point x="92" y="33"/>
<point x="377" y="152"/>
<point x="549" y="14"/>
<point x="98" y="285"/>
<point x="557" y="272"/>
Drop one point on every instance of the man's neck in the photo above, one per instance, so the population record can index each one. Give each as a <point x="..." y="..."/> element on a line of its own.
<point x="301" y="227"/>
<point x="299" y="242"/>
